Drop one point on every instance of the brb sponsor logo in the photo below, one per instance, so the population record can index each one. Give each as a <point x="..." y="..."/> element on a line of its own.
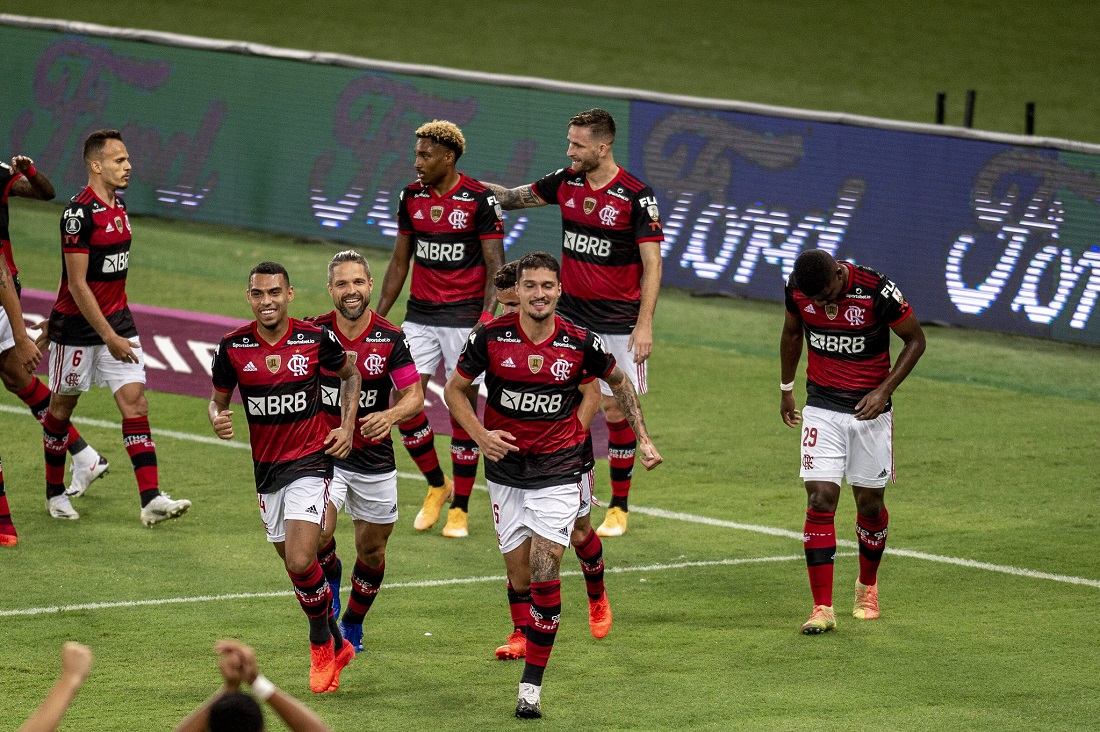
<point x="584" y="244"/>
<point x="434" y="251"/>
<point x="520" y="401"/>
<point x="837" y="344"/>
<point x="277" y="404"/>
<point x="330" y="397"/>
<point x="115" y="263"/>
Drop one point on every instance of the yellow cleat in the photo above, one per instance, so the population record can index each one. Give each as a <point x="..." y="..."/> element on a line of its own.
<point x="456" y="524"/>
<point x="822" y="619"/>
<point x="866" y="607"/>
<point x="614" y="523"/>
<point x="433" y="503"/>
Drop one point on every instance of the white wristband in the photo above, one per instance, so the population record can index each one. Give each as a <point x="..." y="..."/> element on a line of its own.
<point x="262" y="688"/>
<point x="786" y="387"/>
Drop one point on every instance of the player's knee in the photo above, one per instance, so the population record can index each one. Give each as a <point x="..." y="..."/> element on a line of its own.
<point x="15" y="379"/>
<point x="371" y="553"/>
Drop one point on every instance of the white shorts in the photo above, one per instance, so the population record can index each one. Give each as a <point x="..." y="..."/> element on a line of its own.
<point x="7" y="337"/>
<point x="624" y="359"/>
<point x="74" y="369"/>
<point x="836" y="445"/>
<point x="586" y="494"/>
<point x="431" y="343"/>
<point x="371" y="498"/>
<point x="302" y="500"/>
<point x="520" y="512"/>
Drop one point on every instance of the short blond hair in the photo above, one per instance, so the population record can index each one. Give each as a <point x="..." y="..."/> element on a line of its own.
<point x="444" y="133"/>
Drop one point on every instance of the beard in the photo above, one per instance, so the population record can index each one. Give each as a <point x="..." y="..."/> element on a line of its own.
<point x="352" y="314"/>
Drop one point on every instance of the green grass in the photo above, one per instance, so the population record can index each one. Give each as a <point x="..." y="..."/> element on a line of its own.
<point x="883" y="59"/>
<point x="994" y="438"/>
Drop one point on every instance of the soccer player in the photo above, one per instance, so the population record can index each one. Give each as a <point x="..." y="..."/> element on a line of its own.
<point x="610" y="271"/>
<point x="451" y="224"/>
<point x="534" y="444"/>
<point x="365" y="482"/>
<point x="847" y="313"/>
<point x="275" y="362"/>
<point x="94" y="340"/>
<point x="17" y="350"/>
<point x="584" y="540"/>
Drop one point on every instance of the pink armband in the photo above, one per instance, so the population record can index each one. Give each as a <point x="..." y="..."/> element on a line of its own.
<point x="485" y="317"/>
<point x="405" y="376"/>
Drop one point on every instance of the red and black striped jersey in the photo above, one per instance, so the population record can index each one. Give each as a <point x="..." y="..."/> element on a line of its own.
<point x="601" y="264"/>
<point x="280" y="385"/>
<point x="533" y="395"/>
<point x="89" y="226"/>
<point x="7" y="180"/>
<point x="382" y="356"/>
<point x="849" y="346"/>
<point x="448" y="276"/>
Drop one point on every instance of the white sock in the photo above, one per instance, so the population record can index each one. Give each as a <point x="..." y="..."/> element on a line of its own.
<point x="86" y="458"/>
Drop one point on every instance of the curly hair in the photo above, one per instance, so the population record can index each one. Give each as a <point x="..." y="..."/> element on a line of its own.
<point x="444" y="133"/>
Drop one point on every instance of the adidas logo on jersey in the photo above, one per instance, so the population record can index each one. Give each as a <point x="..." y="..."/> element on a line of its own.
<point x="418" y="215"/>
<point x="508" y="363"/>
<point x="250" y="366"/>
<point x="810" y="308"/>
<point x="109" y="230"/>
<point x="570" y="204"/>
<point x="883" y="474"/>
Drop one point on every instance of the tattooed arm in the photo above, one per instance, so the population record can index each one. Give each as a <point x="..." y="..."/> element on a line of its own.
<point x="513" y="198"/>
<point x="627" y="400"/>
<point x="350" y="385"/>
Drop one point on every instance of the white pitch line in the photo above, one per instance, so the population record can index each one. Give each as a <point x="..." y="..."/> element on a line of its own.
<point x="390" y="586"/>
<point x="674" y="515"/>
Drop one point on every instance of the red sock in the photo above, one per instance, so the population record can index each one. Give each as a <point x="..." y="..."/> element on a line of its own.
<point x="37" y="398"/>
<point x="464" y="457"/>
<point x="621" y="445"/>
<point x="819" y="539"/>
<point x="520" y="607"/>
<point x="365" y="583"/>
<point x="6" y="526"/>
<point x="419" y="439"/>
<point x="542" y="628"/>
<point x="143" y="453"/>
<point x="313" y="592"/>
<point x="55" y="440"/>
<point x="872" y="542"/>
<point x="590" y="554"/>
<point x="330" y="563"/>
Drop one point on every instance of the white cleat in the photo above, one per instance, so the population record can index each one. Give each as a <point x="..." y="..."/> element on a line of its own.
<point x="163" y="508"/>
<point x="60" y="508"/>
<point x="84" y="477"/>
<point x="529" y="704"/>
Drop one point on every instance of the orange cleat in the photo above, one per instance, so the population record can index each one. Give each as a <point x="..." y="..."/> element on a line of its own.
<point x="322" y="667"/>
<point x="516" y="647"/>
<point x="822" y="619"/>
<point x="599" y="616"/>
<point x="342" y="659"/>
<point x="866" y="607"/>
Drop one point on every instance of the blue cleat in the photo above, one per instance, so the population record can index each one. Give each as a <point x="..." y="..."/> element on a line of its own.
<point x="353" y="634"/>
<point x="334" y="585"/>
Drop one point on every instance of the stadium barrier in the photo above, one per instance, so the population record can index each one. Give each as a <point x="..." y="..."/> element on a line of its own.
<point x="981" y="229"/>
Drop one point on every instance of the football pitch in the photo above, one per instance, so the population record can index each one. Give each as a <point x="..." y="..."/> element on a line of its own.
<point x="989" y="587"/>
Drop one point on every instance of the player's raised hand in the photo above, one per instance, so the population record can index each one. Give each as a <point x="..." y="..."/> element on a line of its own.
<point x="341" y="440"/>
<point x="791" y="416"/>
<point x="649" y="456"/>
<point x="76" y="660"/>
<point x="498" y="443"/>
<point x="223" y="424"/>
<point x="21" y="163"/>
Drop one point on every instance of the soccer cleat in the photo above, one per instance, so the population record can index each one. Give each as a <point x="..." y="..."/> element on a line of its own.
<point x="866" y="607"/>
<point x="353" y="635"/>
<point x="599" y="616"/>
<point x="822" y="619"/>
<point x="456" y="524"/>
<point x="529" y="704"/>
<point x="84" y="477"/>
<point x="433" y="503"/>
<point x="515" y="647"/>
<point x="60" y="508"/>
<point x="614" y="523"/>
<point x="340" y="660"/>
<point x="9" y="539"/>
<point x="162" y="508"/>
<point x="322" y="667"/>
